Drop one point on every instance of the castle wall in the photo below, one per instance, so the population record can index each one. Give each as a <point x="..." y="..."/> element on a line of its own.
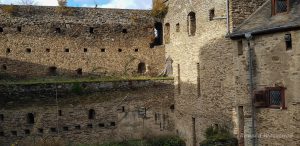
<point x="202" y="68"/>
<point x="99" y="41"/>
<point x="119" y="115"/>
<point x="274" y="66"/>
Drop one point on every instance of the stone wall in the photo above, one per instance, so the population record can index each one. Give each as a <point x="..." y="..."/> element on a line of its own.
<point x="95" y="41"/>
<point x="203" y="68"/>
<point x="118" y="115"/>
<point x="274" y="66"/>
<point x="240" y="10"/>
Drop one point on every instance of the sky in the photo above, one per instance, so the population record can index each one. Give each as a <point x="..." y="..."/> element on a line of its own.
<point x="121" y="4"/>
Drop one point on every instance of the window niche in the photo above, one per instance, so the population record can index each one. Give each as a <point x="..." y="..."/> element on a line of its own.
<point x="57" y="30"/>
<point x="8" y="50"/>
<point x="240" y="47"/>
<point x="288" y="41"/>
<point x="67" y="50"/>
<point x="103" y="50"/>
<point x="4" y="67"/>
<point x="19" y="29"/>
<point x="52" y="71"/>
<point x="191" y="24"/>
<point x="85" y="50"/>
<point x="141" y="68"/>
<point x="79" y="71"/>
<point x="167" y="33"/>
<point x="47" y="50"/>
<point x="136" y="50"/>
<point x="28" y="50"/>
<point x="120" y="50"/>
<point x="158" y="34"/>
<point x="53" y="130"/>
<point x="30" y="118"/>
<point x="124" y="31"/>
<point x="1" y="29"/>
<point x="177" y="27"/>
<point x="211" y="14"/>
<point x="92" y="114"/>
<point x="91" y="30"/>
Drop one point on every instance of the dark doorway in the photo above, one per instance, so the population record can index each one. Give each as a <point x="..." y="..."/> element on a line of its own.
<point x="92" y="114"/>
<point x="52" y="71"/>
<point x="30" y="118"/>
<point x="141" y="68"/>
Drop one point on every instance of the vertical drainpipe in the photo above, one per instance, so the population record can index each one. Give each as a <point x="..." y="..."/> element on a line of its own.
<point x="227" y="17"/>
<point x="249" y="37"/>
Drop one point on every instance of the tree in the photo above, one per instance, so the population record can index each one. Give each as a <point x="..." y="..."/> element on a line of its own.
<point x="62" y="3"/>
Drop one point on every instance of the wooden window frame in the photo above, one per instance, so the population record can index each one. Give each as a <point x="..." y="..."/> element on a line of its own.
<point x="266" y="98"/>
<point x="274" y="7"/>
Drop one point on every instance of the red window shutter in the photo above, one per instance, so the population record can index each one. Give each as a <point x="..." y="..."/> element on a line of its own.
<point x="261" y="99"/>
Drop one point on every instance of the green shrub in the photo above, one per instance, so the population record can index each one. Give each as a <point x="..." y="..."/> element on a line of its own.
<point x="159" y="9"/>
<point x="218" y="136"/>
<point x="77" y="89"/>
<point x="166" y="141"/>
<point x="10" y="9"/>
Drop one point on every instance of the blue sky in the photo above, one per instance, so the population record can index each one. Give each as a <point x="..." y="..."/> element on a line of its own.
<point x="121" y="4"/>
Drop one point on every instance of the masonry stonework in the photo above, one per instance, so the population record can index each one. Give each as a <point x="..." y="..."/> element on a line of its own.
<point x="95" y="41"/>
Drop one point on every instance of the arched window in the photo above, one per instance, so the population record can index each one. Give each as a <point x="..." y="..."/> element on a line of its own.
<point x="141" y="68"/>
<point x="30" y="118"/>
<point x="167" y="33"/>
<point x="92" y="114"/>
<point x="158" y="32"/>
<point x="191" y="24"/>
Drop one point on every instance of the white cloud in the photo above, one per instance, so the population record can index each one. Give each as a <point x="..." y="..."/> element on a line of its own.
<point x="128" y="4"/>
<point x="36" y="2"/>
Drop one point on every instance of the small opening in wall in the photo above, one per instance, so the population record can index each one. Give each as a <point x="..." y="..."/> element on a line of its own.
<point x="8" y="50"/>
<point x="191" y="23"/>
<point x="30" y="118"/>
<point x="4" y="67"/>
<point x="120" y="50"/>
<point x="103" y="50"/>
<point x="53" y="130"/>
<point x="1" y="117"/>
<point x="136" y="50"/>
<point x="85" y="50"/>
<point x="66" y="128"/>
<point x="59" y="113"/>
<point x="57" y="30"/>
<point x="79" y="71"/>
<point x="167" y="33"/>
<point x="92" y="114"/>
<point x="123" y="108"/>
<point x="19" y="29"/>
<point x="27" y="131"/>
<point x="101" y="125"/>
<point x="211" y="14"/>
<point x="77" y="127"/>
<point x="90" y="125"/>
<point x="124" y="31"/>
<point x="112" y="124"/>
<point x="41" y="130"/>
<point x="47" y="50"/>
<point x="1" y="133"/>
<point x="14" y="133"/>
<point x="240" y="47"/>
<point x="91" y="30"/>
<point x="141" y="68"/>
<point x="172" y="107"/>
<point x="288" y="41"/>
<point x="177" y="27"/>
<point x="1" y="29"/>
<point x="67" y="50"/>
<point x="52" y="71"/>
<point x="28" y="50"/>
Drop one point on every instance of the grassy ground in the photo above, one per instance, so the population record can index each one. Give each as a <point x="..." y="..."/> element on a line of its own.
<point x="53" y="80"/>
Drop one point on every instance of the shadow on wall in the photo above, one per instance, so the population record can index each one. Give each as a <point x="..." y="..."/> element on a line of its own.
<point x="15" y="69"/>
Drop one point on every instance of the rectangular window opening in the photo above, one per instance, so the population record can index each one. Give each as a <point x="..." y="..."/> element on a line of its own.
<point x="240" y="47"/>
<point x="211" y="14"/>
<point x="288" y="41"/>
<point x="280" y="6"/>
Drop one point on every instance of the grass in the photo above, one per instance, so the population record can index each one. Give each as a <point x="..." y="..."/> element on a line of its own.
<point x="61" y="80"/>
